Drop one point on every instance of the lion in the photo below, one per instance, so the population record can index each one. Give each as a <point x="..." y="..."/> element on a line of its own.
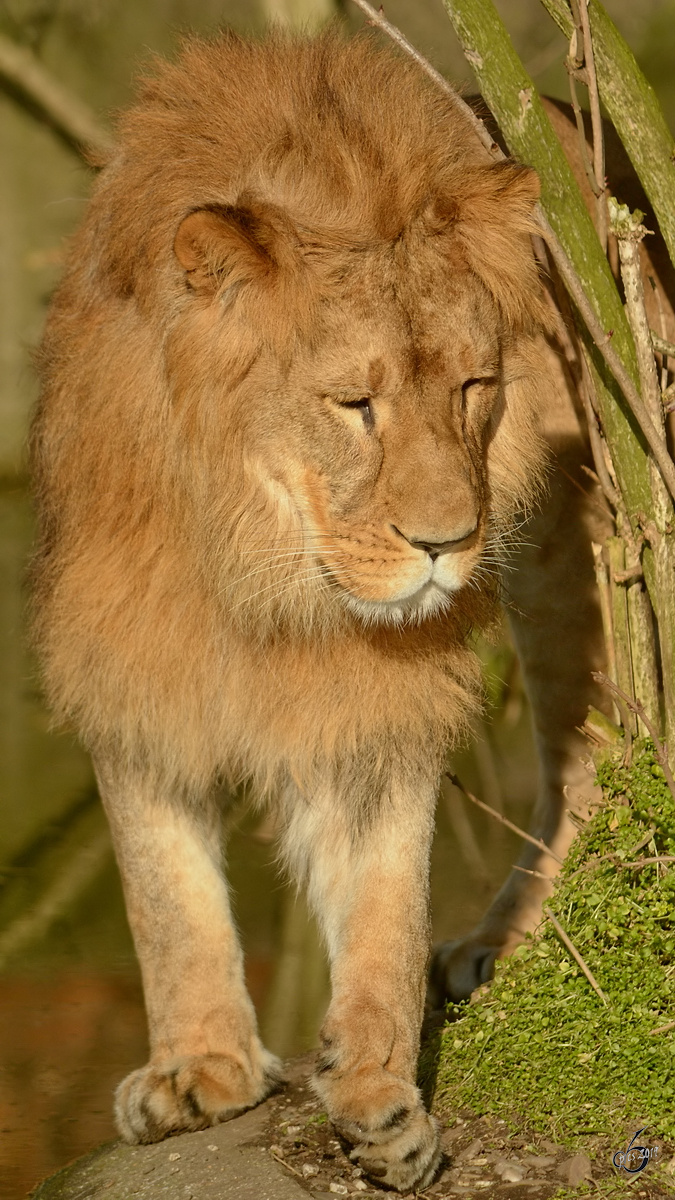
<point x="297" y="397"/>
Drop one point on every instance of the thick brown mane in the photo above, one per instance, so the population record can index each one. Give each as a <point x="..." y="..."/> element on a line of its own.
<point x="258" y="191"/>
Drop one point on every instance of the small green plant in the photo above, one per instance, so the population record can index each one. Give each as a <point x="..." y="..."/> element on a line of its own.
<point x="540" y="1046"/>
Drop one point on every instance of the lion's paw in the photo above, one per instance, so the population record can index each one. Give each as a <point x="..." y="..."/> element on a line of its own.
<point x="458" y="968"/>
<point x="189" y="1093"/>
<point x="394" y="1139"/>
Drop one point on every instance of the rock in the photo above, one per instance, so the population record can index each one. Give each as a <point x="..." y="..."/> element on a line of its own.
<point x="338" y="1189"/>
<point x="448" y="1136"/>
<point x="472" y="1151"/>
<point x="510" y="1170"/>
<point x="235" y="1170"/>
<point x="575" y="1170"/>
<point x="539" y="1161"/>
<point x="550" y="1147"/>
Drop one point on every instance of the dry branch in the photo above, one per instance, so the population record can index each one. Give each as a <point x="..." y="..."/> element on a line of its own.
<point x="663" y="1028"/>
<point x="504" y="820"/>
<point x="576" y="955"/>
<point x="25" y="74"/>
<point x="663" y="347"/>
<point x="537" y="874"/>
<point x="596" y="124"/>
<point x="645" y="862"/>
<point x="379" y="21"/>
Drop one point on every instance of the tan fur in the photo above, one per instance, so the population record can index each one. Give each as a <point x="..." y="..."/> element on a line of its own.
<point x="299" y="340"/>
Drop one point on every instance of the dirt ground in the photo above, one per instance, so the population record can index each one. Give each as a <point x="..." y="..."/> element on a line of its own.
<point x="286" y="1149"/>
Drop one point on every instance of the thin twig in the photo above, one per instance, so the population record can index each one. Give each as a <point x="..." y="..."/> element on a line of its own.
<point x="20" y="68"/>
<point x="629" y="575"/>
<point x="660" y="343"/>
<point x="592" y="862"/>
<point x="504" y="820"/>
<point x="645" y="862"/>
<point x="277" y="1158"/>
<point x="629" y="231"/>
<point x="664" y="330"/>
<point x="579" y="117"/>
<point x="466" y="839"/>
<point x="668" y="398"/>
<point x="602" y="580"/>
<point x="643" y="842"/>
<point x="575" y="955"/>
<point x="636" y="707"/>
<point x="663" y="1028"/>
<point x="379" y="20"/>
<point x="596" y="439"/>
<point x="537" y="874"/>
<point x="596" y="123"/>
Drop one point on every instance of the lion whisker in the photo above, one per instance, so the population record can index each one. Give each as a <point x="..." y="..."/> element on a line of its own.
<point x="286" y="585"/>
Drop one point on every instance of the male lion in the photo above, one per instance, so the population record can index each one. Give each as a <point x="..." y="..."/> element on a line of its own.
<point x="293" y="386"/>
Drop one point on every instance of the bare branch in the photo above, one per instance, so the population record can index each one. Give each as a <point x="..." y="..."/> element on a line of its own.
<point x="504" y="820"/>
<point x="579" y="118"/>
<point x="567" y="941"/>
<point x="573" y="64"/>
<point x="602" y="580"/>
<point x="587" y="394"/>
<point x="380" y="22"/>
<point x="596" y="122"/>
<point x="645" y="862"/>
<point x="663" y="1028"/>
<point x="21" y="70"/>
<point x="660" y="343"/>
<point x="537" y="874"/>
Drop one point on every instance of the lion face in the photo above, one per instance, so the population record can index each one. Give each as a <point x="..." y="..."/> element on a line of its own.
<point x="389" y="419"/>
<point x="374" y="423"/>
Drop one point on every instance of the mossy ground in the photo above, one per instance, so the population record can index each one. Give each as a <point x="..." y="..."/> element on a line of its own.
<point x="540" y="1048"/>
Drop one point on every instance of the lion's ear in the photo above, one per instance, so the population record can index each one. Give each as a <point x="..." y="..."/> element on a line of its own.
<point x="223" y="245"/>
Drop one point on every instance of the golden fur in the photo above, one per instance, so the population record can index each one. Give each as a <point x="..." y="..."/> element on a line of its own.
<point x="291" y="384"/>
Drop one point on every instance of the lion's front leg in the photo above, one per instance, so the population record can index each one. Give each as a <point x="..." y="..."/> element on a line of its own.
<point x="206" y="1060"/>
<point x="368" y="883"/>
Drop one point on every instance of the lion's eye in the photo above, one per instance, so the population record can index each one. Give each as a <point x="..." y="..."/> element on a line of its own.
<point x="364" y="406"/>
<point x="477" y="385"/>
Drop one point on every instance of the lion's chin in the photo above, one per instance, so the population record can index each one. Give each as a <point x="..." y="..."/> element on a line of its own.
<point x="427" y="601"/>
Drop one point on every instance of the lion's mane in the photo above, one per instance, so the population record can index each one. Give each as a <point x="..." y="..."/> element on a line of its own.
<point x="152" y="640"/>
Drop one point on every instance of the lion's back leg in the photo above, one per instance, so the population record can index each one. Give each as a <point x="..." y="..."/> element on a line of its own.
<point x="555" y="619"/>
<point x="206" y="1060"/>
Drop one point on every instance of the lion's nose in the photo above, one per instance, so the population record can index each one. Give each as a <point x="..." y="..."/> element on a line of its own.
<point x="435" y="549"/>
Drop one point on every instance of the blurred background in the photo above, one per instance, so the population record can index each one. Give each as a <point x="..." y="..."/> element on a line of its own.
<point x="71" y="1014"/>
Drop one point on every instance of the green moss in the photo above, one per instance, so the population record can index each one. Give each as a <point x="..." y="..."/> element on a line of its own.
<point x="540" y="1047"/>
